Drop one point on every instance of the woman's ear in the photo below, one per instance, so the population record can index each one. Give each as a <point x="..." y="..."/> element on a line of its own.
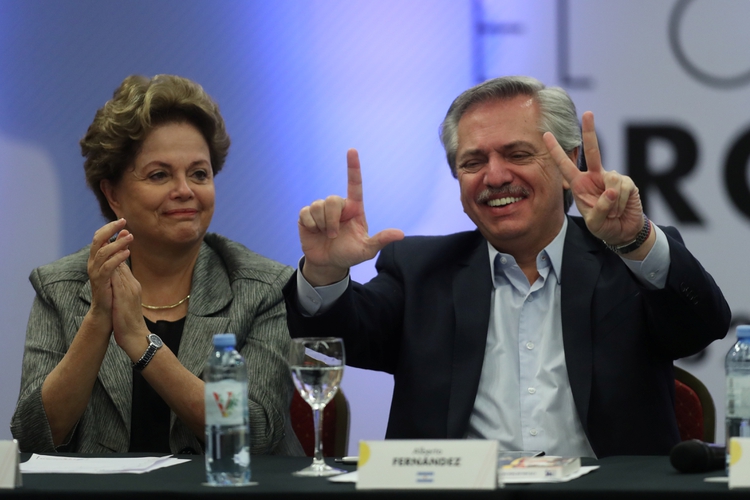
<point x="111" y="194"/>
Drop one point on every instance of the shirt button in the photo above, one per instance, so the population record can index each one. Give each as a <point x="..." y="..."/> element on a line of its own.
<point x="503" y="260"/>
<point x="529" y="345"/>
<point x="530" y="298"/>
<point x="532" y="390"/>
<point x="313" y="299"/>
<point x="533" y="432"/>
<point x="652" y="275"/>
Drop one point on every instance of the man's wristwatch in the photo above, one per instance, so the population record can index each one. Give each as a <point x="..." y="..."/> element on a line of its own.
<point x="154" y="344"/>
<point x="634" y="245"/>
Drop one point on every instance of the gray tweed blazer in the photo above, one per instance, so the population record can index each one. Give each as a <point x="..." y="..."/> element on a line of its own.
<point x="233" y="290"/>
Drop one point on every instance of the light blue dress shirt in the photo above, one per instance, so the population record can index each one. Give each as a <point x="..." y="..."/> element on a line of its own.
<point x="524" y="399"/>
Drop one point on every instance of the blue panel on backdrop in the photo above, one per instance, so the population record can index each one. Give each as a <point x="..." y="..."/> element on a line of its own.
<point x="298" y="83"/>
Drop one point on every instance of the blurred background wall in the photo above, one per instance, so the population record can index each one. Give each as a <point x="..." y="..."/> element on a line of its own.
<point x="299" y="82"/>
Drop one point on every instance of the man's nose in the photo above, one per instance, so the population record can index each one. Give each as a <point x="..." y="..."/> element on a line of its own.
<point x="497" y="172"/>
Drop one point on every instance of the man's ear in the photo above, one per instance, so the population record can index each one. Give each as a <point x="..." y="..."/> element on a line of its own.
<point x="111" y="194"/>
<point x="573" y="155"/>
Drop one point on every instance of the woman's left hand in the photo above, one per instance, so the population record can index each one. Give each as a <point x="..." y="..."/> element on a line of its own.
<point x="129" y="327"/>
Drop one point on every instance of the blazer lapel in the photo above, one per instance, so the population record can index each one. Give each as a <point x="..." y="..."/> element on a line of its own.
<point x="472" y="289"/>
<point x="210" y="293"/>
<point x="580" y="271"/>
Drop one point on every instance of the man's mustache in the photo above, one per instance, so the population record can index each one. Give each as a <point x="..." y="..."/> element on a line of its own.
<point x="502" y="191"/>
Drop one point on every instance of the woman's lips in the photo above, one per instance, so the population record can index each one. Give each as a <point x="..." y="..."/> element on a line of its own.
<point x="182" y="212"/>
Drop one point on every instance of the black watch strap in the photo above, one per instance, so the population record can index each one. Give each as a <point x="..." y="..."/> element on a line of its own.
<point x="154" y="344"/>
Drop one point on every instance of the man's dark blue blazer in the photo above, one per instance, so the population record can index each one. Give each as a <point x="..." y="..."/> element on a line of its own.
<point x="424" y="318"/>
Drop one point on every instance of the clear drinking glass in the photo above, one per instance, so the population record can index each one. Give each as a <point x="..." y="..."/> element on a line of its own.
<point x="317" y="365"/>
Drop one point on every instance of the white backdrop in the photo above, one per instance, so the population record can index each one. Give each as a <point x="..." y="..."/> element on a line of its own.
<point x="300" y="82"/>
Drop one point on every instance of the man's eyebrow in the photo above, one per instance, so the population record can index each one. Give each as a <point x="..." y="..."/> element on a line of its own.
<point x="505" y="148"/>
<point x="469" y="152"/>
<point x="518" y="144"/>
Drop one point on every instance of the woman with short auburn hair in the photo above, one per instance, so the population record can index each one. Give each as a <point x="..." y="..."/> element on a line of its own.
<point x="120" y="331"/>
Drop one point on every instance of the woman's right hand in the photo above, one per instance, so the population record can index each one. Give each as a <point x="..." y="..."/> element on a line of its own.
<point x="104" y="257"/>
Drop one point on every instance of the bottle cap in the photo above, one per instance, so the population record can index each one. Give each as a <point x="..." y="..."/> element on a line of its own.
<point x="743" y="331"/>
<point x="229" y="340"/>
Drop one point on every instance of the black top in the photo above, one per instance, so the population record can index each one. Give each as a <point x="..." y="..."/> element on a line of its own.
<point x="149" y="419"/>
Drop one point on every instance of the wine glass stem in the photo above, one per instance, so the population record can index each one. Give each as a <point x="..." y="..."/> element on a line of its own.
<point x="318" y="424"/>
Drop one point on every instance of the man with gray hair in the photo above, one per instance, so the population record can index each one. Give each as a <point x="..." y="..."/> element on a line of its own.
<point x="540" y="330"/>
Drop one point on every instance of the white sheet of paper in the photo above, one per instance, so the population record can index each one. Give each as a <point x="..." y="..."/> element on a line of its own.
<point x="49" y="464"/>
<point x="351" y="477"/>
<point x="583" y="470"/>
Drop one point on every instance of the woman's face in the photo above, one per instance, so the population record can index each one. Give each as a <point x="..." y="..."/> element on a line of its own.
<point x="167" y="195"/>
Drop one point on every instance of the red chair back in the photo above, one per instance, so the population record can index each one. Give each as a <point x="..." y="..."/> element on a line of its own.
<point x="689" y="412"/>
<point x="693" y="407"/>
<point x="335" y="438"/>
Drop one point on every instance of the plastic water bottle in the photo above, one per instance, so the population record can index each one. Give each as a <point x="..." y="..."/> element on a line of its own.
<point x="737" y="365"/>
<point x="227" y="421"/>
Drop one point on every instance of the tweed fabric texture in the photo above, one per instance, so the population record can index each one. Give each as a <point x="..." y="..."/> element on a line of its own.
<point x="233" y="290"/>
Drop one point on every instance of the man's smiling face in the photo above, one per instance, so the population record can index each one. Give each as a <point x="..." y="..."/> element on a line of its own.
<point x="510" y="186"/>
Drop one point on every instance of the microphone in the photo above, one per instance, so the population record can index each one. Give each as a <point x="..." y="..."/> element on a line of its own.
<point x="696" y="456"/>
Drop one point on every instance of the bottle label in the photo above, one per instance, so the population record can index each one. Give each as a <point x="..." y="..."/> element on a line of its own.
<point x="224" y="402"/>
<point x="738" y="396"/>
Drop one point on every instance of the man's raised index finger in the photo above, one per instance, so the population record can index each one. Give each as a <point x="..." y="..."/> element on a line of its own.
<point x="562" y="160"/>
<point x="591" y="143"/>
<point x="354" y="176"/>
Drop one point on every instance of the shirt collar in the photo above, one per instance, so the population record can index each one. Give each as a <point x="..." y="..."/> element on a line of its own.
<point x="554" y="251"/>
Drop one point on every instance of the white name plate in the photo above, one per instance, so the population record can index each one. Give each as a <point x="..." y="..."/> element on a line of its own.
<point x="10" y="473"/>
<point x="739" y="462"/>
<point x="465" y="464"/>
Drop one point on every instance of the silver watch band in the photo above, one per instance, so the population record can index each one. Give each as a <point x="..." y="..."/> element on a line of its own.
<point x="640" y="239"/>
<point x="154" y="344"/>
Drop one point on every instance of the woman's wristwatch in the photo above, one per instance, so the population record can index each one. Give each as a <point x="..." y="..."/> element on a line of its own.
<point x="155" y="343"/>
